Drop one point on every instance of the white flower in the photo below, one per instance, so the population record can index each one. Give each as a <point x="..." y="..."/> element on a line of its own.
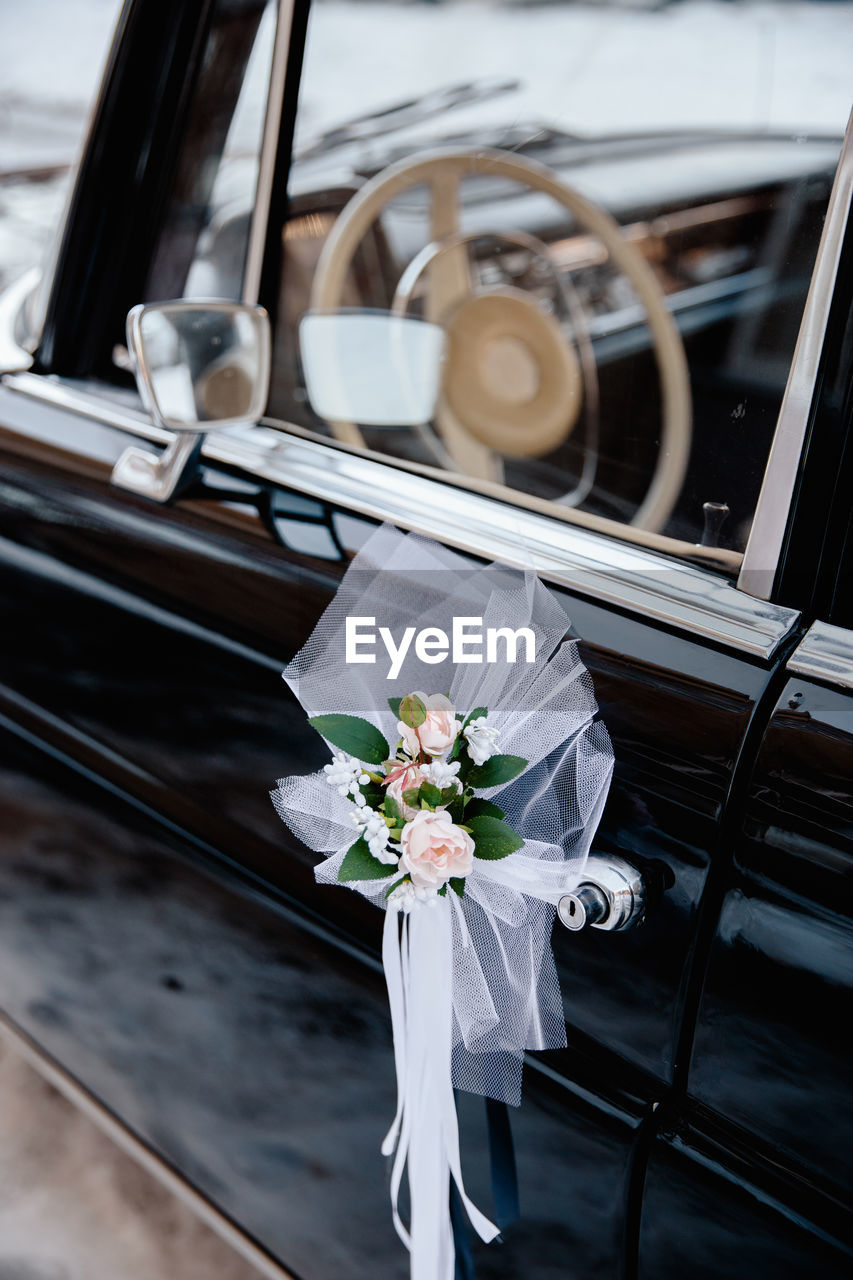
<point x="345" y="775"/>
<point x="441" y="774"/>
<point x="374" y="828"/>
<point x="402" y="898"/>
<point x="407" y="898"/>
<point x="481" y="740"/>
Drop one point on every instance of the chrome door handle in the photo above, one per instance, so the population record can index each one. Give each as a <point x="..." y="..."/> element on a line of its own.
<point x="610" y="896"/>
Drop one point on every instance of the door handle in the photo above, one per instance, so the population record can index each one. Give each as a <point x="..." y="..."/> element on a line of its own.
<point x="610" y="896"/>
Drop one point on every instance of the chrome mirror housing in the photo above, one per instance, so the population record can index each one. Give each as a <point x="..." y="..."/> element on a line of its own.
<point x="198" y="365"/>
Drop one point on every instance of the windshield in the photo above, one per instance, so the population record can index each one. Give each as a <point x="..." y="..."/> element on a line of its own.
<point x="583" y="69"/>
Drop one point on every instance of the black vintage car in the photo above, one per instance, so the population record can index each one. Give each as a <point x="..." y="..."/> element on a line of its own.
<point x="615" y="394"/>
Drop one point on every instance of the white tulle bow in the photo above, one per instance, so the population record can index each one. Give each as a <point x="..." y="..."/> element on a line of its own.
<point x="472" y="982"/>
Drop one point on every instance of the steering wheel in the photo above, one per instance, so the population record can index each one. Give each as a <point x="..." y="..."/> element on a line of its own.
<point x="512" y="382"/>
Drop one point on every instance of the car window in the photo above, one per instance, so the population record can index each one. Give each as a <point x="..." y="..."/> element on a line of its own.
<point x="52" y="56"/>
<point x="204" y="239"/>
<point x="560" y="252"/>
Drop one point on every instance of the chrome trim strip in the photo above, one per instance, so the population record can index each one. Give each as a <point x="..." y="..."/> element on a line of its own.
<point x="269" y="148"/>
<point x="764" y="547"/>
<point x="646" y="583"/>
<point x="118" y="1133"/>
<point x="826" y="653"/>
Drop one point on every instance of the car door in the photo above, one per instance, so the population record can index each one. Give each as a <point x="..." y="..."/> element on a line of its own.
<point x="163" y="938"/>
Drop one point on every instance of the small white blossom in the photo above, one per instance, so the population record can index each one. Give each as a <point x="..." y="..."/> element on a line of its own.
<point x="402" y="898"/>
<point x="441" y="774"/>
<point x="375" y="831"/>
<point x="407" y="898"/>
<point x="345" y="775"/>
<point x="481" y="739"/>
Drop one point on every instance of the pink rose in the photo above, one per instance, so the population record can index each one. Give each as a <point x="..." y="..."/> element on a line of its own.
<point x="403" y="778"/>
<point x="435" y="849"/>
<point x="438" y="732"/>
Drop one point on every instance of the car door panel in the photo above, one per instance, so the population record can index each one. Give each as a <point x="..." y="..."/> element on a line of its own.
<point x="158" y="674"/>
<point x="708" y="1214"/>
<point x="653" y="689"/>
<point x="771" y="1042"/>
<point x="250" y="1049"/>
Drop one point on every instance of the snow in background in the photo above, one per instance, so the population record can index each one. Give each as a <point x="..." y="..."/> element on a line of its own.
<point x="590" y="68"/>
<point x="587" y="68"/>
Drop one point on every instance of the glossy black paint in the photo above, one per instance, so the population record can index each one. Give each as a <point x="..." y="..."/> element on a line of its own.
<point x="772" y="1045"/>
<point x="160" y="680"/>
<point x="250" y="1051"/>
<point x="755" y="1155"/>
<point x="707" y="1214"/>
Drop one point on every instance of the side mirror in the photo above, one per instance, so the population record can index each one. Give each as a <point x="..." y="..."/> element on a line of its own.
<point x="197" y="365"/>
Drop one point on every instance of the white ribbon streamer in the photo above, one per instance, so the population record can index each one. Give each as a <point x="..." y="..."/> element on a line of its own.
<point x="424" y="1136"/>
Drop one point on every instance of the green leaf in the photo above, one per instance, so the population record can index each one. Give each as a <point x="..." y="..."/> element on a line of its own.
<point x="431" y="794"/>
<point x="493" y="838"/>
<point x="475" y="715"/>
<point x="449" y="794"/>
<point x="394" y="704"/>
<point x="360" y="864"/>
<point x="395" y="885"/>
<point x="442" y="892"/>
<point x="412" y="711"/>
<point x="392" y="809"/>
<point x="411" y="796"/>
<point x="456" y="809"/>
<point x="478" y="806"/>
<point x="352" y="734"/>
<point x="457" y="884"/>
<point x="373" y="795"/>
<point x="495" y="772"/>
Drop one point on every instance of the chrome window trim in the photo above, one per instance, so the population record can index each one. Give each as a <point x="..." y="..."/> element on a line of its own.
<point x="764" y="546"/>
<point x="825" y="653"/>
<point x="269" y="149"/>
<point x="693" y="601"/>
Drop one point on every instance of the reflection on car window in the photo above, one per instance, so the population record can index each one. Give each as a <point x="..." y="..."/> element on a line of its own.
<point x="202" y="248"/>
<point x="51" y="59"/>
<point x="560" y="250"/>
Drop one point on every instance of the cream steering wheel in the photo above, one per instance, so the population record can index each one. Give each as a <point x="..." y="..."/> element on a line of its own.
<point x="512" y="382"/>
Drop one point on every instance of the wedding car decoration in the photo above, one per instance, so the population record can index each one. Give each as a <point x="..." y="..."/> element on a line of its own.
<point x="420" y="814"/>
<point x="464" y="814"/>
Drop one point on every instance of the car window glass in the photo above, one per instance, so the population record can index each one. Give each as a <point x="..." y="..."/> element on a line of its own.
<point x="52" y="56"/>
<point x="204" y="240"/>
<point x="581" y="277"/>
